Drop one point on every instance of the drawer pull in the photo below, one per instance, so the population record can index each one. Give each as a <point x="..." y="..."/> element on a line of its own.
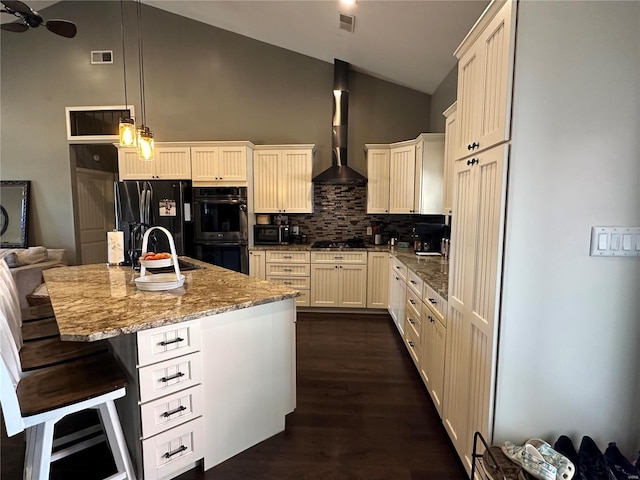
<point x="410" y="343"/>
<point x="287" y="269"/>
<point x="412" y="302"/>
<point x="398" y="267"/>
<point x="414" y="282"/>
<point x="287" y="283"/>
<point x="169" y="342"/>
<point x="287" y="256"/>
<point x="433" y="301"/>
<point x="338" y="257"/>
<point x="411" y="321"/>
<point x="172" y="377"/>
<point x="175" y="452"/>
<point x="172" y="412"/>
<point x="430" y="318"/>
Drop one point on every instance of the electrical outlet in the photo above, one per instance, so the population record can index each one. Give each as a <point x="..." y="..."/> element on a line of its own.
<point x="369" y="231"/>
<point x="615" y="242"/>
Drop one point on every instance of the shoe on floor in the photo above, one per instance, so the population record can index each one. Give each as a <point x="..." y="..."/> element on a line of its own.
<point x="531" y="460"/>
<point x="564" y="445"/>
<point x="593" y="464"/>
<point x="499" y="467"/>
<point x="565" y="468"/>
<point x="622" y="468"/>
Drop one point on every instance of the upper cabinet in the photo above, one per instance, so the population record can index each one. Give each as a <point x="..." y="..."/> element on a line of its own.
<point x="220" y="164"/>
<point x="406" y="177"/>
<point x="282" y="179"/>
<point x="451" y="115"/>
<point x="171" y="162"/>
<point x="485" y="77"/>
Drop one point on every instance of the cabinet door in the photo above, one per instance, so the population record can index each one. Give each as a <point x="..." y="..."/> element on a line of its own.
<point x="257" y="264"/>
<point x="232" y="165"/>
<point x="173" y="163"/>
<point x="449" y="159"/>
<point x="377" y="280"/>
<point x="296" y="189"/>
<point x="324" y="285"/>
<point x="402" y="179"/>
<point x="265" y="181"/>
<point x="438" y="348"/>
<point x="469" y="102"/>
<point x="130" y="167"/>
<point x="204" y="161"/>
<point x="352" y="286"/>
<point x="378" y="180"/>
<point x="397" y="298"/>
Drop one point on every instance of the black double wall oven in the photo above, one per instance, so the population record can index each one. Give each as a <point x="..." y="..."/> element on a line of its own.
<point x="221" y="226"/>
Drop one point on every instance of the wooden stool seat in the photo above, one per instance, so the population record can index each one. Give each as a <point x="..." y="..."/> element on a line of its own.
<point x="53" y="351"/>
<point x="47" y="328"/>
<point x="69" y="383"/>
<point x="36" y="313"/>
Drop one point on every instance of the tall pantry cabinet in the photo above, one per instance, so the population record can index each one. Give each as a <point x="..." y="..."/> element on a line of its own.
<point x="485" y="72"/>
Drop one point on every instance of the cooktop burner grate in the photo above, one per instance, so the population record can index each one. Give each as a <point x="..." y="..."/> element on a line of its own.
<point x="351" y="243"/>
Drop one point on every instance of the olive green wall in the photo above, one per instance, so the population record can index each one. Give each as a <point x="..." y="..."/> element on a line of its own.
<point x="202" y="83"/>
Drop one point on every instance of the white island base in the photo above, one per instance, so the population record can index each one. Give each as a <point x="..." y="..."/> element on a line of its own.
<point x="227" y="382"/>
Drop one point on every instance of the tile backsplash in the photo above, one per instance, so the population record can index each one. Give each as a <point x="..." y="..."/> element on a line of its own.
<point x="340" y="213"/>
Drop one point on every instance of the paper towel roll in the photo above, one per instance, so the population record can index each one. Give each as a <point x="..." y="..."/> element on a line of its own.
<point x="115" y="247"/>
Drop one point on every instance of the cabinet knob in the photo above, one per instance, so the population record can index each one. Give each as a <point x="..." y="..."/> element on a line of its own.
<point x="430" y="318"/>
<point x="473" y="146"/>
<point x="432" y="301"/>
<point x="472" y="161"/>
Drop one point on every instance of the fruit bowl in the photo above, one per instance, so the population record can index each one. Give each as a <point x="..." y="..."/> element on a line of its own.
<point x="157" y="262"/>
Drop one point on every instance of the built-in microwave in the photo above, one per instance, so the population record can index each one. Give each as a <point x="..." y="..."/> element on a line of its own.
<point x="271" y="234"/>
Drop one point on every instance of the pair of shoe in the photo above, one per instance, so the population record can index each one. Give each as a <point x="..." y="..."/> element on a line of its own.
<point x="540" y="460"/>
<point x="621" y="468"/>
<point x="498" y="466"/>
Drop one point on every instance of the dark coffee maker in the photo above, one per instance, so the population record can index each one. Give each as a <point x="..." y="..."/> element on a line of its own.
<point x="430" y="236"/>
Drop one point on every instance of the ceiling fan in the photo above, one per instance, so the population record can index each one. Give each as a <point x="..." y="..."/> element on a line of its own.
<point x="30" y="18"/>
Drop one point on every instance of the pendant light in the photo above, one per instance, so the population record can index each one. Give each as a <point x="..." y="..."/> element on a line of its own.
<point x="127" y="126"/>
<point x="145" y="135"/>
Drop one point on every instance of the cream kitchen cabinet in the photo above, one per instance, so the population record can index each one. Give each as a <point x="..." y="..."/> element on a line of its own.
<point x="170" y="163"/>
<point x="412" y="327"/>
<point x="474" y="283"/>
<point x="406" y="177"/>
<point x="397" y="292"/>
<point x="378" y="179"/>
<point x="449" y="157"/>
<point x="290" y="268"/>
<point x="220" y="164"/>
<point x="377" y="279"/>
<point x="257" y="267"/>
<point x="485" y="77"/>
<point x="282" y="178"/>
<point x="339" y="279"/>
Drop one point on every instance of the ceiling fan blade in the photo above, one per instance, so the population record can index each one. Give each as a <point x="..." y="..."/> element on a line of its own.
<point x="62" y="27"/>
<point x="14" y="27"/>
<point x="18" y="7"/>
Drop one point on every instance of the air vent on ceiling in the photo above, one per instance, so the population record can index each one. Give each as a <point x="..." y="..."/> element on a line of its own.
<point x="347" y="22"/>
<point x="101" y="56"/>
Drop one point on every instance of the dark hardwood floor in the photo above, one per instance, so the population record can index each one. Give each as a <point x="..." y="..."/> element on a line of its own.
<point x="362" y="413"/>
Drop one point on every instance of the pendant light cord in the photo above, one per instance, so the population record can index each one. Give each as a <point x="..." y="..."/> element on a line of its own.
<point x="124" y="58"/>
<point x="141" y="63"/>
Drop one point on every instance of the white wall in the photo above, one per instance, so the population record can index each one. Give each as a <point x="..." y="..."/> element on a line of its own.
<point x="570" y="329"/>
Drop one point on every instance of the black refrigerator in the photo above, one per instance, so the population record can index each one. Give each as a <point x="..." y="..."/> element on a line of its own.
<point x="141" y="204"/>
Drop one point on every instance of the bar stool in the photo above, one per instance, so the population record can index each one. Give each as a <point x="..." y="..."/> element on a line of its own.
<point x="36" y="402"/>
<point x="28" y="314"/>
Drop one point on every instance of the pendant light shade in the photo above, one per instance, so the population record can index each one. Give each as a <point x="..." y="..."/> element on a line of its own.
<point x="127" y="132"/>
<point x="146" y="145"/>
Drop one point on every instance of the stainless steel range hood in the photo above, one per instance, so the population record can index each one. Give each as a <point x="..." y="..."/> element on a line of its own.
<point x="339" y="173"/>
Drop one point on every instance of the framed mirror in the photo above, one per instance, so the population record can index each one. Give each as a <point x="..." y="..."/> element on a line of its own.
<point x="14" y="213"/>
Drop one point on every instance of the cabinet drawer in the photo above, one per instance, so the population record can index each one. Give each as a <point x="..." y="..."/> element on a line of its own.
<point x="413" y="301"/>
<point x="412" y="322"/>
<point x="287" y="256"/>
<point x="414" y="282"/>
<point x="170" y="411"/>
<point x="339" y="257"/>
<point x="162" y="343"/>
<point x="399" y="268"/>
<point x="169" y="376"/>
<point x="290" y="270"/>
<point x="413" y="345"/>
<point x="303" y="299"/>
<point x="435" y="302"/>
<point x="172" y="450"/>
<point x="291" y="282"/>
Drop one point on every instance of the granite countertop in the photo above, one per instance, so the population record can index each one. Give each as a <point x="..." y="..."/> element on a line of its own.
<point x="433" y="270"/>
<point x="93" y="302"/>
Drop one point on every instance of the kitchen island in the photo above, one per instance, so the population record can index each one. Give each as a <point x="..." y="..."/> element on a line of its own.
<point x="211" y="364"/>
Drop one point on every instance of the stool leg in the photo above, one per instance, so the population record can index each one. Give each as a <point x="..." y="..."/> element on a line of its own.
<point x="113" y="429"/>
<point x="42" y="451"/>
<point x="30" y="440"/>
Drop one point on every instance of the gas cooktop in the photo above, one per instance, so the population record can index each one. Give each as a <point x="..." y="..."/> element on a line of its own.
<point x="351" y="243"/>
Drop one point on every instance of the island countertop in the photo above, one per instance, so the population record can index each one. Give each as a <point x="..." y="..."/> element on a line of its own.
<point x="94" y="302"/>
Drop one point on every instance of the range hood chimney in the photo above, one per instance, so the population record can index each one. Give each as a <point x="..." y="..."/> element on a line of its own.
<point x="339" y="173"/>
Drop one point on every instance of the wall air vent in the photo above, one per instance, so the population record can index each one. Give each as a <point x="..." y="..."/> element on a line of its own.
<point x="101" y="56"/>
<point x="347" y="22"/>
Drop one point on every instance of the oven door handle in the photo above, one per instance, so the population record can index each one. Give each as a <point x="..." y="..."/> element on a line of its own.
<point x="222" y="244"/>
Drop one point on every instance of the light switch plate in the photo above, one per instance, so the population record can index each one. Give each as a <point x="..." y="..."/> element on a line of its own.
<point x="615" y="242"/>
